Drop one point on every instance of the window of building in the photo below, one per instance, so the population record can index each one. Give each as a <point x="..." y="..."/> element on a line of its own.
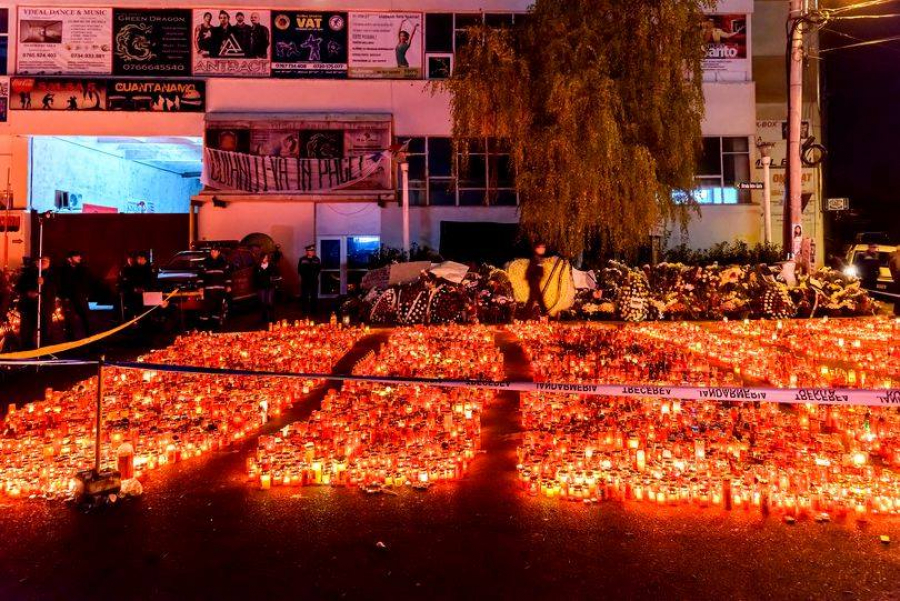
<point x="725" y="162"/>
<point x="439" y="177"/>
<point x="445" y="33"/>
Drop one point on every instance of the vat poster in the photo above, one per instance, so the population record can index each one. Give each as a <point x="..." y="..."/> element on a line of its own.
<point x="156" y="42"/>
<point x="35" y="94"/>
<point x="231" y="42"/>
<point x="385" y="45"/>
<point x="156" y="95"/>
<point x="725" y="42"/>
<point x="309" y="44"/>
<point x="64" y="41"/>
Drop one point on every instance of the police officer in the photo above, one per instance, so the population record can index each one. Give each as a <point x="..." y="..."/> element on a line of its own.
<point x="215" y="280"/>
<point x="74" y="284"/>
<point x="309" y="268"/>
<point x="30" y="286"/>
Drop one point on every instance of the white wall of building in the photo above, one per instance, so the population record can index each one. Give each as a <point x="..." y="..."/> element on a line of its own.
<point x="102" y="179"/>
<point x="290" y="224"/>
<point x="425" y="222"/>
<point x="721" y="223"/>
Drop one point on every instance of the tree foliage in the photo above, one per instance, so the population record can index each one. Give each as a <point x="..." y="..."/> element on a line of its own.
<point x="601" y="102"/>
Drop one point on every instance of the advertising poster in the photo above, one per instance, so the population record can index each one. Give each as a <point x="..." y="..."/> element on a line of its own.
<point x="275" y="143"/>
<point x="4" y="99"/>
<point x="65" y="41"/>
<point x="725" y="42"/>
<point x="231" y="42"/>
<point x="163" y="95"/>
<point x="386" y="45"/>
<point x="33" y="94"/>
<point x="309" y="44"/>
<point x="154" y="42"/>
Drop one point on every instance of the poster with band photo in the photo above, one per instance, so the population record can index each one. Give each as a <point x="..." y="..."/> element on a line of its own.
<point x="309" y="44"/>
<point x="63" y="40"/>
<point x="156" y="42"/>
<point x="231" y="42"/>
<point x="385" y="45"/>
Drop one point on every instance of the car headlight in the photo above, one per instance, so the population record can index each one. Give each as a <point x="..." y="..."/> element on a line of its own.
<point x="851" y="271"/>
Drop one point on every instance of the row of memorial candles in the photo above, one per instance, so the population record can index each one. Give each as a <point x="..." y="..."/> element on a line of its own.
<point x="376" y="436"/>
<point x="163" y="417"/>
<point x="806" y="458"/>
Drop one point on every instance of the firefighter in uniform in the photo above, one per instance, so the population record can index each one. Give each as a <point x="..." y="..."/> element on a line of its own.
<point x="215" y="280"/>
<point x="309" y="267"/>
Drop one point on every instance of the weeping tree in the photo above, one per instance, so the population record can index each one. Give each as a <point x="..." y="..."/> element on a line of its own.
<point x="600" y="102"/>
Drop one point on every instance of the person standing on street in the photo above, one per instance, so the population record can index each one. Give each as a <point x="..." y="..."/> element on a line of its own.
<point x="264" y="276"/>
<point x="869" y="267"/>
<point x="215" y="280"/>
<point x="30" y="287"/>
<point x="894" y="265"/>
<point x="309" y="268"/>
<point x="141" y="280"/>
<point x="534" y="274"/>
<point x="74" y="287"/>
<point x="125" y="286"/>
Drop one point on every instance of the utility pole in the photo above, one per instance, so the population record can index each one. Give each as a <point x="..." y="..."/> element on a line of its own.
<point x="793" y="211"/>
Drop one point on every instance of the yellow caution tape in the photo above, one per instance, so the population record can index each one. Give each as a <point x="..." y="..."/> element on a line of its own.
<point x="61" y="348"/>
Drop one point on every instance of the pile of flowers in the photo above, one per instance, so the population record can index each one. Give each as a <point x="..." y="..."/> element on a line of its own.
<point x="673" y="291"/>
<point x="164" y="417"/>
<point x="484" y="296"/>
<point x="379" y="437"/>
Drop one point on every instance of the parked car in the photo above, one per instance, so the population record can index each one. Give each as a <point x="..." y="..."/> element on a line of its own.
<point x="885" y="281"/>
<point x="183" y="272"/>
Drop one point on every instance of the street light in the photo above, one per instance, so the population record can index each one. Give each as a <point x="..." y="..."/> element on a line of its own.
<point x="765" y="151"/>
<point x="401" y="158"/>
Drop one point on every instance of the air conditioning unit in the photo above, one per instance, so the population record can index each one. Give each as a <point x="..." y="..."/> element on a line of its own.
<point x="61" y="200"/>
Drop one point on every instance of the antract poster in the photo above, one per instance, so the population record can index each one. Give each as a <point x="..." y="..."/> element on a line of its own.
<point x="309" y="44"/>
<point x="231" y="42"/>
<point x="386" y="45"/>
<point x="62" y="40"/>
<point x="154" y="42"/>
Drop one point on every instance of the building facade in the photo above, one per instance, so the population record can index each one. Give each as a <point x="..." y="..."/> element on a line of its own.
<point x="334" y="84"/>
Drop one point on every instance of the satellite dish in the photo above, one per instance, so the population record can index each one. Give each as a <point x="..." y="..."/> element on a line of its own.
<point x="263" y="242"/>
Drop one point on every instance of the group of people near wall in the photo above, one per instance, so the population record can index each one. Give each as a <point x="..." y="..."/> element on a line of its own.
<point x="39" y="286"/>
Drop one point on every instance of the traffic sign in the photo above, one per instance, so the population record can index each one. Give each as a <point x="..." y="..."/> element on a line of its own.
<point x="750" y="186"/>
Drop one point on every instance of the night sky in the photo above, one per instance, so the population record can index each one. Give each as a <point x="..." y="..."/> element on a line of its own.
<point x="861" y="95"/>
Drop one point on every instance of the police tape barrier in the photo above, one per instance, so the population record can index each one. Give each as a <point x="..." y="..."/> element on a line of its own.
<point x="46" y="363"/>
<point x="797" y="396"/>
<point x="68" y="346"/>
